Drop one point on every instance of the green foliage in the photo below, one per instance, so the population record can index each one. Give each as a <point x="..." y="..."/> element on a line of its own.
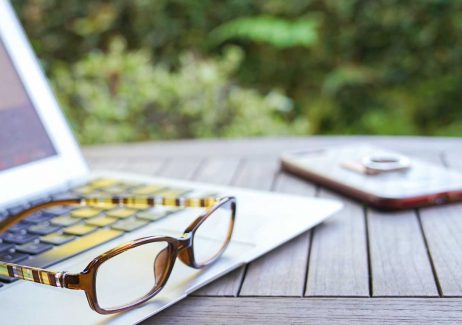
<point x="352" y="66"/>
<point x="280" y="33"/>
<point x="121" y="96"/>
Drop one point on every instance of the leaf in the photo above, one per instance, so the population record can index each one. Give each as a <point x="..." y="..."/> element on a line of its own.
<point x="278" y="32"/>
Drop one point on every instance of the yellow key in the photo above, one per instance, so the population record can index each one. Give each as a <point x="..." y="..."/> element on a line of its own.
<point x="64" y="221"/>
<point x="172" y="192"/>
<point x="121" y="213"/>
<point x="147" y="189"/>
<point x="102" y="182"/>
<point x="101" y="221"/>
<point x="84" y="189"/>
<point x="114" y="189"/>
<point x="85" y="213"/>
<point x="79" y="230"/>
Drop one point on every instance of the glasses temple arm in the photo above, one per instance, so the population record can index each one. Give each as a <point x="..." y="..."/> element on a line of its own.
<point x="42" y="276"/>
<point x="108" y="202"/>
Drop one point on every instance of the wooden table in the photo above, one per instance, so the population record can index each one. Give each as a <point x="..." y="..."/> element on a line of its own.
<point x="359" y="266"/>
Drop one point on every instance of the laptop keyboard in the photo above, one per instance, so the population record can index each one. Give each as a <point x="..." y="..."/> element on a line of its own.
<point x="55" y="234"/>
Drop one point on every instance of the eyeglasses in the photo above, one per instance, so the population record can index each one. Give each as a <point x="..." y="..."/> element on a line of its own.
<point x="130" y="274"/>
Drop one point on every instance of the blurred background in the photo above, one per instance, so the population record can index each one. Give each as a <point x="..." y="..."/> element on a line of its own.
<point x="165" y="69"/>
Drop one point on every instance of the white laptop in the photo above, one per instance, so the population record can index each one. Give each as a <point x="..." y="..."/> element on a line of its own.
<point x="40" y="160"/>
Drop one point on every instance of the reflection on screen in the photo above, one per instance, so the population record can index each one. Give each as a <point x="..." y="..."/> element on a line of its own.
<point x="23" y="138"/>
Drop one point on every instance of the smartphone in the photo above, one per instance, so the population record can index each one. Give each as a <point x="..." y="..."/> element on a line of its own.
<point x="384" y="179"/>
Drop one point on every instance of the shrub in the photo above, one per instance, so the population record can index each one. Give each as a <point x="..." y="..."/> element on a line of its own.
<point x="122" y="96"/>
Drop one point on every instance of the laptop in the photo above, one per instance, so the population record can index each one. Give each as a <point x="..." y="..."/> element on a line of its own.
<point x="40" y="161"/>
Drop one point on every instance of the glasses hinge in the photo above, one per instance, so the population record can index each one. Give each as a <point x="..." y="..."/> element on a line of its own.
<point x="70" y="281"/>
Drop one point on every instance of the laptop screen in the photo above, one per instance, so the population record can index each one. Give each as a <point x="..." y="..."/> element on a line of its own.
<point x="23" y="138"/>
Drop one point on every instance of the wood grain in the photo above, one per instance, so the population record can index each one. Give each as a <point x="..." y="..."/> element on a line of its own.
<point x="184" y="168"/>
<point x="287" y="183"/>
<point x="217" y="170"/>
<point x="281" y="272"/>
<point x="257" y="173"/>
<point x="339" y="260"/>
<point x="443" y="228"/>
<point x="399" y="261"/>
<point x="312" y="311"/>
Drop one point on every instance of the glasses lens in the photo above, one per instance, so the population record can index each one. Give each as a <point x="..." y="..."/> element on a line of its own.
<point x="213" y="234"/>
<point x="126" y="278"/>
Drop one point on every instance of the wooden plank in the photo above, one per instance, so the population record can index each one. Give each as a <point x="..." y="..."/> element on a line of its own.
<point x="443" y="227"/>
<point x="399" y="261"/>
<point x="290" y="184"/>
<point x="257" y="173"/>
<point x="180" y="168"/>
<point x="219" y="171"/>
<point x="282" y="272"/>
<point x="311" y="311"/>
<point x="254" y="173"/>
<point x="339" y="261"/>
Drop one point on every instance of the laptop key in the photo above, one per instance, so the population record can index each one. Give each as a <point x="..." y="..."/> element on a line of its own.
<point x="57" y="239"/>
<point x="101" y="221"/>
<point x="43" y="229"/>
<point x="3" y="215"/>
<point x="147" y="189"/>
<point x="23" y="225"/>
<point x="73" y="248"/>
<point x="102" y="182"/>
<point x="14" y="257"/>
<point x="9" y="257"/>
<point x="129" y="225"/>
<point x="85" y="190"/>
<point x="39" y="217"/>
<point x="5" y="247"/>
<point x="152" y="215"/>
<point x="115" y="190"/>
<point x="85" y="213"/>
<point x="18" y="238"/>
<point x="64" y="221"/>
<point x="79" y="230"/>
<point x="7" y="279"/>
<point x="59" y="211"/>
<point x="33" y="248"/>
<point x="173" y="192"/>
<point x="121" y="213"/>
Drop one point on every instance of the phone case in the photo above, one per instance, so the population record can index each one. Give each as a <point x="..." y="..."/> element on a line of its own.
<point x="342" y="169"/>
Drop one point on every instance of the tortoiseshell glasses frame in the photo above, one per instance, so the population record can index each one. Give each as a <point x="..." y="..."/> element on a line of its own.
<point x="181" y="247"/>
